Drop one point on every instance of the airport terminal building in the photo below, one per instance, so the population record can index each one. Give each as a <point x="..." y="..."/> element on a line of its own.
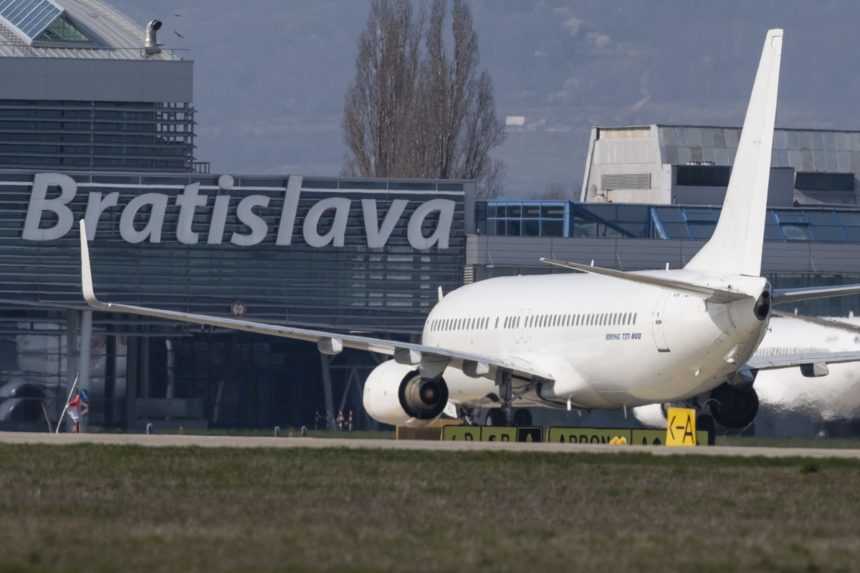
<point x="94" y="129"/>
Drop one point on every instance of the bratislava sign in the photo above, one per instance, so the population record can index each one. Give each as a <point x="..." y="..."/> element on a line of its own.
<point x="50" y="218"/>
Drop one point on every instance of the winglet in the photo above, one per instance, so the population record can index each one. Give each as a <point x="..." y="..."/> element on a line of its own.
<point x="86" y="269"/>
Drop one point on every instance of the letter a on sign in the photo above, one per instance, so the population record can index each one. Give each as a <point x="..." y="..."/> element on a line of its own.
<point x="681" y="427"/>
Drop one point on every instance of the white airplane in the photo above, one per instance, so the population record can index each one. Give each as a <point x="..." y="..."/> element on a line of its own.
<point x="829" y="343"/>
<point x="597" y="338"/>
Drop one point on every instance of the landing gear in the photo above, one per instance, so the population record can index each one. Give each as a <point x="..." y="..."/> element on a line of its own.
<point x="705" y="422"/>
<point x="506" y="393"/>
<point x="522" y="418"/>
<point x="497" y="417"/>
<point x="732" y="407"/>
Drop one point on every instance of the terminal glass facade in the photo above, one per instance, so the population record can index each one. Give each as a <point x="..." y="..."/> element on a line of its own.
<point x="567" y="219"/>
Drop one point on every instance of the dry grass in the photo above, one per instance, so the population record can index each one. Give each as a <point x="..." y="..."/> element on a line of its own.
<point x="91" y="508"/>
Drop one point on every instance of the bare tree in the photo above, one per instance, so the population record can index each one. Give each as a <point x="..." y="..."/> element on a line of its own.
<point x="418" y="105"/>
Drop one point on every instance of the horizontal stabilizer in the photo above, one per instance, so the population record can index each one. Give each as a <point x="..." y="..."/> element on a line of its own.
<point x="721" y="296"/>
<point x="792" y="295"/>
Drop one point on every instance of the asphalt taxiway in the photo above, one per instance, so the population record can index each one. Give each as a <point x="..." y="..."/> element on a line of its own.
<point x="173" y="440"/>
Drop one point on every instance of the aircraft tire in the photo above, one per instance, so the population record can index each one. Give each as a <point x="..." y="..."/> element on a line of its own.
<point x="522" y="418"/>
<point x="495" y="417"/>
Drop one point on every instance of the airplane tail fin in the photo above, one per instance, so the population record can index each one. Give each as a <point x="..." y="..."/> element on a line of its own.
<point x="735" y="247"/>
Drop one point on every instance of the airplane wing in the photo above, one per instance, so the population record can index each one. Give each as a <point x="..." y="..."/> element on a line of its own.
<point x="790" y="295"/>
<point x="820" y="321"/>
<point x="774" y="362"/>
<point x="713" y="294"/>
<point x="765" y="361"/>
<point x="328" y="342"/>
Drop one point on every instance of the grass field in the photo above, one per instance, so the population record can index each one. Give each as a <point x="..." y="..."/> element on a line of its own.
<point x="107" y="508"/>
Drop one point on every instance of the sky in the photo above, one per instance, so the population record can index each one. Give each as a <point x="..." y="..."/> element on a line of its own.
<point x="270" y="75"/>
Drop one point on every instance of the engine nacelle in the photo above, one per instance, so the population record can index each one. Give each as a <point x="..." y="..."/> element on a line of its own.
<point x="651" y="415"/>
<point x="396" y="394"/>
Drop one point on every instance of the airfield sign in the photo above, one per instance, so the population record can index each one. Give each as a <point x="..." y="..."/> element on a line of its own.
<point x="681" y="427"/>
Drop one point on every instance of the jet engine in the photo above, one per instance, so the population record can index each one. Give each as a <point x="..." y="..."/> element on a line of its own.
<point x="733" y="407"/>
<point x="396" y="394"/>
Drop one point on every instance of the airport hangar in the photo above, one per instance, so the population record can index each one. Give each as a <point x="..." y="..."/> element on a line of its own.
<point x="99" y="111"/>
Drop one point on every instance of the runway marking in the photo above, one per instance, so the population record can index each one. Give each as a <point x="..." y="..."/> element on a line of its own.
<point x="164" y="440"/>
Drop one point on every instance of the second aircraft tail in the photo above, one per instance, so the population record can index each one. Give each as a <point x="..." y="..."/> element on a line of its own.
<point x="735" y="248"/>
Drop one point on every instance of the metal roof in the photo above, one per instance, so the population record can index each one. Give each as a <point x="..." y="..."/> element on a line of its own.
<point x="114" y="36"/>
<point x="801" y="149"/>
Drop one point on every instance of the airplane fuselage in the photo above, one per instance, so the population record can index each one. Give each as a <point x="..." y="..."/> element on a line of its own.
<point x="608" y="343"/>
